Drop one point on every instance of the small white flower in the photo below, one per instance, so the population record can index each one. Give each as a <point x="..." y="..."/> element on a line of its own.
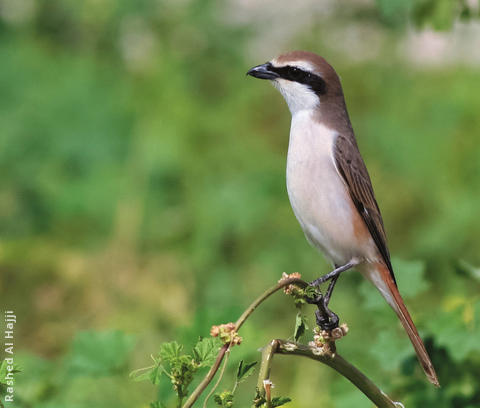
<point x="318" y="351"/>
<point x="290" y="346"/>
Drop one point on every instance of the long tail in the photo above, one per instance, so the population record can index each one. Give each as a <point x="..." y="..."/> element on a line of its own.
<point x="380" y="276"/>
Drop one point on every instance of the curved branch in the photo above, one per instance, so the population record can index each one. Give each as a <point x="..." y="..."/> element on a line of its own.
<point x="209" y="377"/>
<point x="335" y="361"/>
<point x="213" y="370"/>
<point x="281" y="284"/>
<point x="339" y="364"/>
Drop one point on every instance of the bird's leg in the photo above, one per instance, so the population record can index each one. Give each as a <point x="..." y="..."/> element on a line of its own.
<point x="326" y="319"/>
<point x="334" y="273"/>
<point x="329" y="291"/>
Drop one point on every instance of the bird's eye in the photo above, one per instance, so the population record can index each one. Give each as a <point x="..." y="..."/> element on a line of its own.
<point x="295" y="72"/>
<point x="298" y="75"/>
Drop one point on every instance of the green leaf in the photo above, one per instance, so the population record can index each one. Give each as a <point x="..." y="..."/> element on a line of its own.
<point x="169" y="352"/>
<point x="179" y="367"/>
<point x="142" y="374"/>
<point x="205" y="351"/>
<point x="245" y="371"/>
<point x="156" y="374"/>
<point x="279" y="401"/>
<point x="300" y="326"/>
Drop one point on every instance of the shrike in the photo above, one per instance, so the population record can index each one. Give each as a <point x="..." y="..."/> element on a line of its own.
<point x="328" y="184"/>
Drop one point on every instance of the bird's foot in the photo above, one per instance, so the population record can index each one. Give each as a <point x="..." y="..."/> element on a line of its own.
<point x="325" y="318"/>
<point x="328" y="321"/>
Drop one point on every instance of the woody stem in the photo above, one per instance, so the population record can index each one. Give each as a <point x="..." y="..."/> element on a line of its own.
<point x="241" y="320"/>
<point x="335" y="361"/>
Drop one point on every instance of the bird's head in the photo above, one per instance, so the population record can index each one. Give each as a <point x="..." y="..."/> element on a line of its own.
<point x="305" y="79"/>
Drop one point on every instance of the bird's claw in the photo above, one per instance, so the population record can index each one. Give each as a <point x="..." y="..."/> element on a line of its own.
<point x="325" y="318"/>
<point x="328" y="321"/>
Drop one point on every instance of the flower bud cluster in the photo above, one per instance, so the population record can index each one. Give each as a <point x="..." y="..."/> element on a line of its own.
<point x="291" y="289"/>
<point x="227" y="333"/>
<point x="322" y="336"/>
<point x="324" y="340"/>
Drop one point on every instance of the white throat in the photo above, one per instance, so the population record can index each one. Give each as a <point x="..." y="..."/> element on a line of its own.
<point x="299" y="97"/>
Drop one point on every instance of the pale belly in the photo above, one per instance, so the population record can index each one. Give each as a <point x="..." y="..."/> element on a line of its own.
<point x="318" y="195"/>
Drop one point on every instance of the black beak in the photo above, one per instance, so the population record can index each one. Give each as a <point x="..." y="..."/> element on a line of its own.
<point x="264" y="71"/>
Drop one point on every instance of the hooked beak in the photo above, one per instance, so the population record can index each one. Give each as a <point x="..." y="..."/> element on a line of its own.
<point x="264" y="71"/>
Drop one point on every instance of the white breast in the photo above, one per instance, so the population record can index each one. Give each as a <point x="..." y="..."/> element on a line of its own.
<point x="317" y="193"/>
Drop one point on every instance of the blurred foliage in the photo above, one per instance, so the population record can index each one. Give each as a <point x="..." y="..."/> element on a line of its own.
<point x="142" y="191"/>
<point x="439" y="14"/>
<point x="90" y="373"/>
<point x="178" y="367"/>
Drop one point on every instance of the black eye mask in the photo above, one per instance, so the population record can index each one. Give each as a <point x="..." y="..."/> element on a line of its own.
<point x="295" y="74"/>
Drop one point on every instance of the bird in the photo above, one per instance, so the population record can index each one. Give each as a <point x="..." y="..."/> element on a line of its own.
<point x="328" y="184"/>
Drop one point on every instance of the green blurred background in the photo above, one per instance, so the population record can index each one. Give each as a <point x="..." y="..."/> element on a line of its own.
<point x="142" y="193"/>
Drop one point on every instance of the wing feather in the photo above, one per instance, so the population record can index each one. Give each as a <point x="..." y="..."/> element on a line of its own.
<point x="354" y="172"/>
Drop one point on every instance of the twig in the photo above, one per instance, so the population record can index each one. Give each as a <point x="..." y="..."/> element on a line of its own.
<point x="219" y="379"/>
<point x="267" y="294"/>
<point x="211" y="373"/>
<point x="265" y="366"/>
<point x="335" y="361"/>
<point x="264" y="370"/>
